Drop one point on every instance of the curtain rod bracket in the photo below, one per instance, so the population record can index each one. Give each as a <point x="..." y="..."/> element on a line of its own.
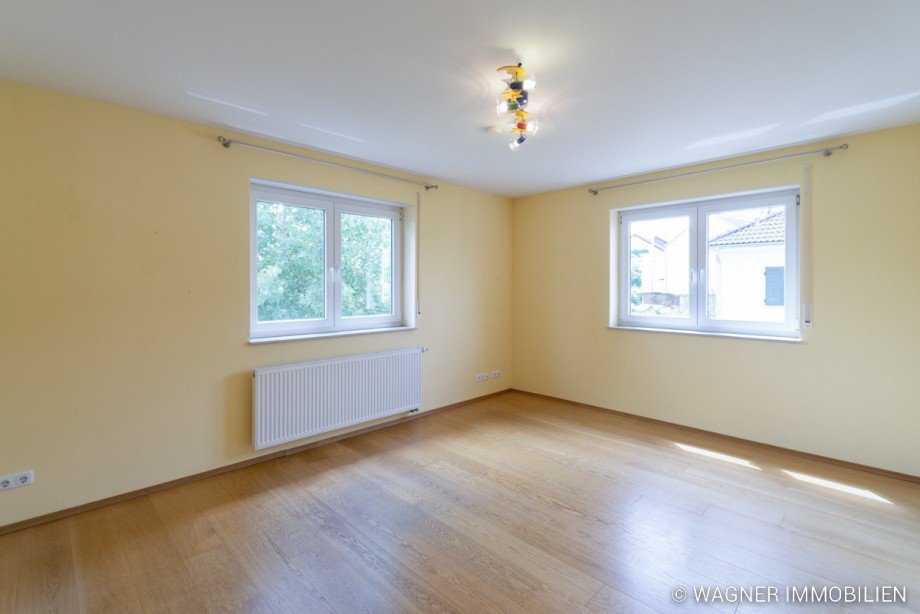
<point x="830" y="150"/>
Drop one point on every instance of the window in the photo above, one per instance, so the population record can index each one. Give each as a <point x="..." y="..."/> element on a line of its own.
<point x="322" y="263"/>
<point x="724" y="264"/>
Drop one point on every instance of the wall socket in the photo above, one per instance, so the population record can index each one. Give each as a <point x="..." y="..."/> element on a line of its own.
<point x="482" y="377"/>
<point x="15" y="480"/>
<point x="496" y="374"/>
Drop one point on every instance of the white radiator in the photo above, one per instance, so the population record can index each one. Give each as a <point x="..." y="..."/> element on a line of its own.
<point x="296" y="401"/>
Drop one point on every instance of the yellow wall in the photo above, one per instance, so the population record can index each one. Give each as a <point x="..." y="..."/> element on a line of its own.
<point x="851" y="390"/>
<point x="124" y="296"/>
<point x="124" y="359"/>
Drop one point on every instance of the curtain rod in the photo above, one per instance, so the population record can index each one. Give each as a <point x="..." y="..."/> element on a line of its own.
<point x="826" y="151"/>
<point x="228" y="142"/>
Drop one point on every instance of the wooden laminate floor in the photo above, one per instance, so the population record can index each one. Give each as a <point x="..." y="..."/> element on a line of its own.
<point x="511" y="504"/>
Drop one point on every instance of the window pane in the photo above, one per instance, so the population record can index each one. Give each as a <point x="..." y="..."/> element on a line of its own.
<point x="746" y="265"/>
<point x="659" y="267"/>
<point x="367" y="265"/>
<point x="291" y="262"/>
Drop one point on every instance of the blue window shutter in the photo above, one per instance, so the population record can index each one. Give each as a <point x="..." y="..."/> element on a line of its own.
<point x="774" y="285"/>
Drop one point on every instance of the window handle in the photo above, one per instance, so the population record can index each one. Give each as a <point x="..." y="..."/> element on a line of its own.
<point x="692" y="277"/>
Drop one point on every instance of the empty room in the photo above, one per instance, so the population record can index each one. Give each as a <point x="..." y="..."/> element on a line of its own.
<point x="459" y="306"/>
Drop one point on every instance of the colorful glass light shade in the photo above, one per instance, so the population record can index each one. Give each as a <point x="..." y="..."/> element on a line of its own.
<point x="514" y="100"/>
<point x="516" y="141"/>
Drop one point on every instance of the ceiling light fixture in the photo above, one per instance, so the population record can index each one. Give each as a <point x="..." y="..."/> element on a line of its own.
<point x="514" y="100"/>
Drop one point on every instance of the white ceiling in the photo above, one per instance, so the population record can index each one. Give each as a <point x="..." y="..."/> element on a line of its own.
<point x="623" y="86"/>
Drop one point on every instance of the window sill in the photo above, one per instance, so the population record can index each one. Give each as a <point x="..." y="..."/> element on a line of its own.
<point x="710" y="334"/>
<point x="327" y="335"/>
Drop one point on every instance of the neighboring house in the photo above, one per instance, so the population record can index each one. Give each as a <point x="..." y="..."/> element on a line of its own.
<point x="747" y="271"/>
<point x="663" y="266"/>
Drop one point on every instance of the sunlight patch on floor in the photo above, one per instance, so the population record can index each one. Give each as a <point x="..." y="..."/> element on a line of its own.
<point x="859" y="492"/>
<point x="717" y="455"/>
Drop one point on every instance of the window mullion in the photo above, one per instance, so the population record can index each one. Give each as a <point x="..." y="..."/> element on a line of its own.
<point x="623" y="287"/>
<point x="699" y="248"/>
<point x="334" y="270"/>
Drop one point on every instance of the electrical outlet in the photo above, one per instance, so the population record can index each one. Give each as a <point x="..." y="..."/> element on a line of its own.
<point x="482" y="377"/>
<point x="496" y="374"/>
<point x="15" y="480"/>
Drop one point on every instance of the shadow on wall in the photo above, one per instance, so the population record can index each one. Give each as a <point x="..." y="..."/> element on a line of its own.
<point x="238" y="415"/>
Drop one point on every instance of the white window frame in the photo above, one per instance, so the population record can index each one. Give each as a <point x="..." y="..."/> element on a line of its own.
<point x="367" y="322"/>
<point x="333" y="206"/>
<point x="698" y="211"/>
